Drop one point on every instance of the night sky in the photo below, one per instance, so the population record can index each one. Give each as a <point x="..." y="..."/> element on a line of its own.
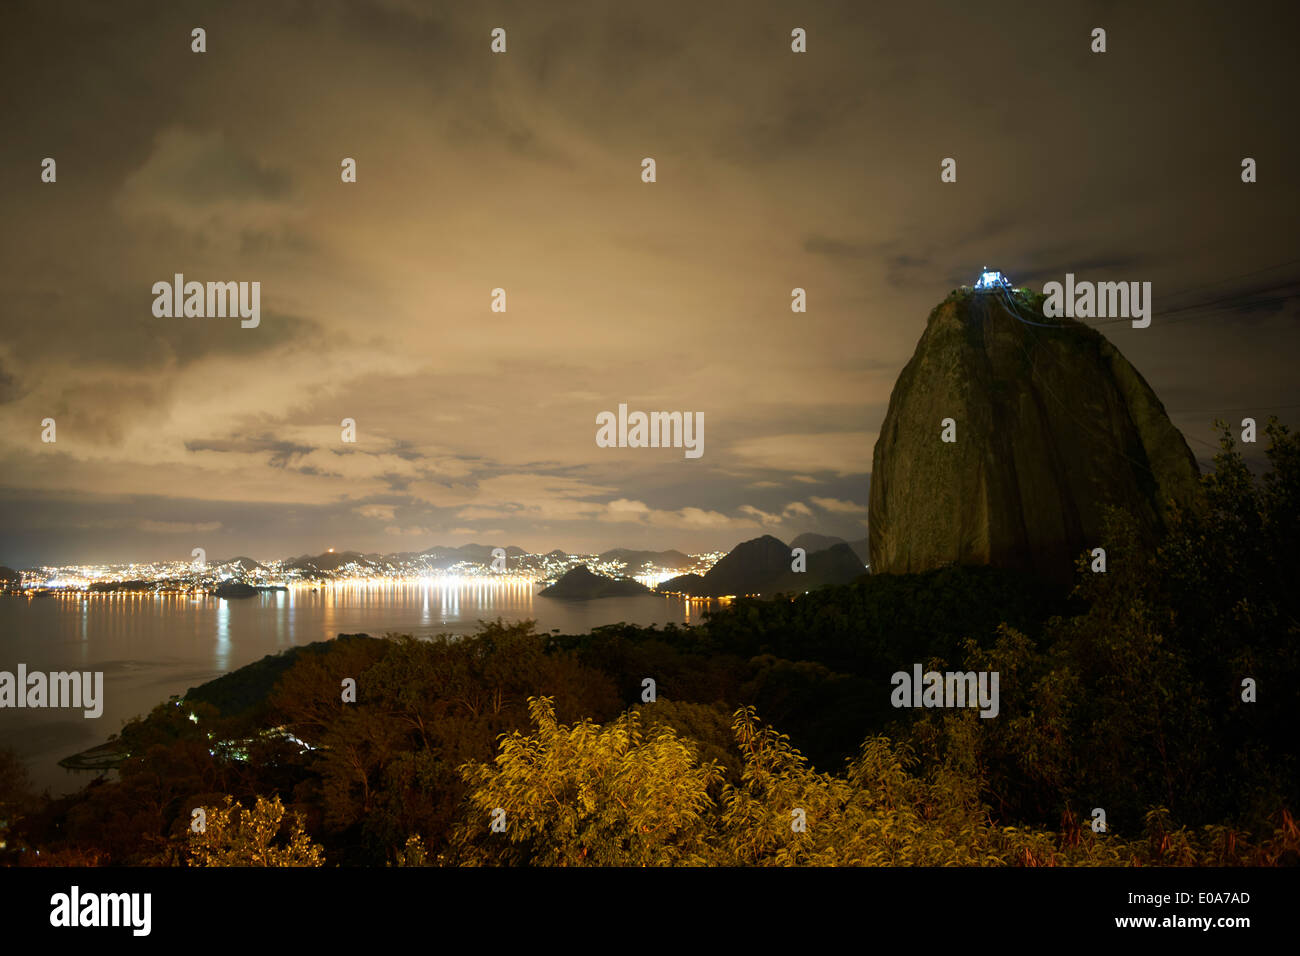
<point x="522" y="171"/>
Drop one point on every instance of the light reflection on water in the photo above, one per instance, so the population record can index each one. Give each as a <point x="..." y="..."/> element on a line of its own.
<point x="151" y="646"/>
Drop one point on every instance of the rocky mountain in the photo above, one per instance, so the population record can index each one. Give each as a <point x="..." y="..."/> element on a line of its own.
<point x="815" y="542"/>
<point x="579" y="583"/>
<point x="762" y="566"/>
<point x="838" y="564"/>
<point x="748" y="568"/>
<point x="1051" y="425"/>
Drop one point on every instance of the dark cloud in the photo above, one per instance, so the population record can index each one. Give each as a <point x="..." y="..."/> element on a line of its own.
<point x="281" y="453"/>
<point x="842" y="248"/>
<point x="476" y="171"/>
<point x="194" y="167"/>
<point x="10" y="389"/>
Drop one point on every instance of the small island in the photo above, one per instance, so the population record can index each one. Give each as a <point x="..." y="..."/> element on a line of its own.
<point x="235" y="589"/>
<point x="580" y="584"/>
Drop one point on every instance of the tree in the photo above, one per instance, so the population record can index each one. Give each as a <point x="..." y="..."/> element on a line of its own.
<point x="235" y="836"/>
<point x="617" y="795"/>
<point x="16" y="797"/>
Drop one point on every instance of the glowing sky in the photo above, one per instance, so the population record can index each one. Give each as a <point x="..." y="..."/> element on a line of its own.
<point x="522" y="171"/>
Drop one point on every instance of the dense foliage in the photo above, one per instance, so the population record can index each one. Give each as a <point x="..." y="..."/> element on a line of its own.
<point x="1127" y="696"/>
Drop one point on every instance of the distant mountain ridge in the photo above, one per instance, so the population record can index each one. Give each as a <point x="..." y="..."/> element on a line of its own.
<point x="635" y="559"/>
<point x="815" y="542"/>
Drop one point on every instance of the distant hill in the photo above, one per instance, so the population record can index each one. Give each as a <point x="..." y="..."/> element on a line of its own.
<point x="436" y="558"/>
<point x="762" y="566"/>
<point x="9" y="574"/>
<point x="749" y="567"/>
<point x="481" y="553"/>
<point x="581" y="584"/>
<point x="242" y="562"/>
<point x="682" y="584"/>
<point x="440" y="557"/>
<point x="838" y="564"/>
<point x="635" y="559"/>
<point x="333" y="560"/>
<point x="815" y="542"/>
<point x="861" y="549"/>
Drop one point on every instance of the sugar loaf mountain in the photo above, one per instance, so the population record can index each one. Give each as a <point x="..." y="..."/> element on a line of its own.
<point x="1007" y="436"/>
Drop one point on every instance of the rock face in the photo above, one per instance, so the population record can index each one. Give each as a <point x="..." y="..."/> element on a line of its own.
<point x="1052" y="425"/>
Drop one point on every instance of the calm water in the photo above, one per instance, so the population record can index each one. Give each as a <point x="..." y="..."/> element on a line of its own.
<point x="152" y="646"/>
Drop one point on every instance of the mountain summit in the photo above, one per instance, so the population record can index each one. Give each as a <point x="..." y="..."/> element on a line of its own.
<point x="762" y="566"/>
<point x="1050" y="424"/>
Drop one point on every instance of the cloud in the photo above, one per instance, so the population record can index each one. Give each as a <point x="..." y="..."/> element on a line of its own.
<point x="843" y="453"/>
<point x="178" y="527"/>
<point x="9" y="387"/>
<point x="375" y="295"/>
<point x="191" y="169"/>
<point x="691" y="517"/>
<point x="215" y="198"/>
<point x="839" y="506"/>
<point x="412" y="531"/>
<point x="633" y="509"/>
<point x="282" y="452"/>
<point x="625" y="511"/>
<point x="795" y="509"/>
<point x="762" y="517"/>
<point x="838" y="248"/>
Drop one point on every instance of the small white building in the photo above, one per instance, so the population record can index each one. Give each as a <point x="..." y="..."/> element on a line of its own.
<point x="990" y="280"/>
